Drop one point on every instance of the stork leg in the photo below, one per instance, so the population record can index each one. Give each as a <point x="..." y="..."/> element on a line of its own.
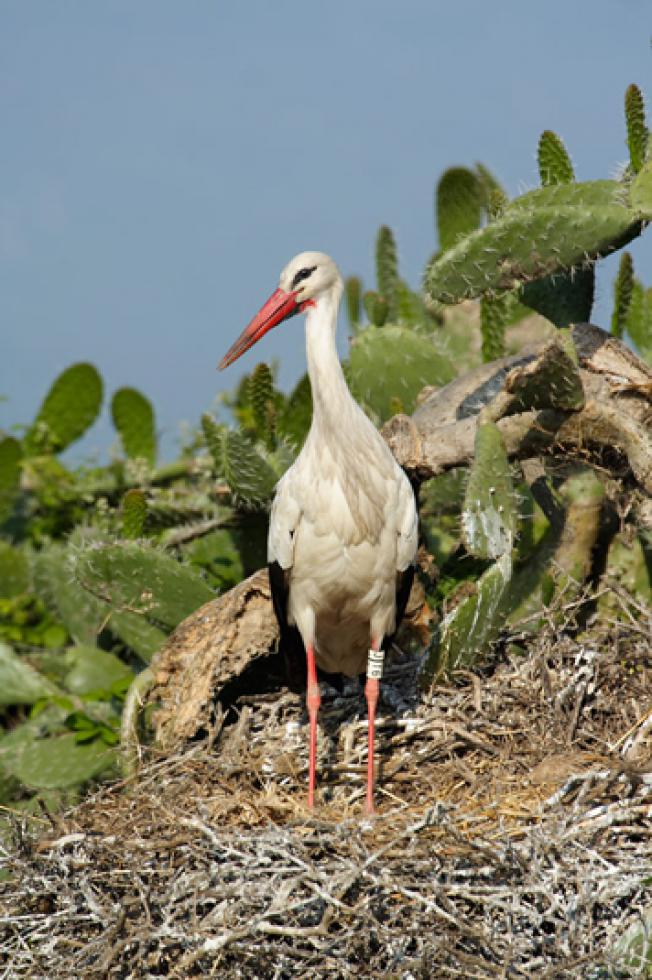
<point x="372" y="691"/>
<point x="313" y="700"/>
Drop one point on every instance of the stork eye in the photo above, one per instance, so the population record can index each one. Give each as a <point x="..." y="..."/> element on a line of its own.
<point x="301" y="275"/>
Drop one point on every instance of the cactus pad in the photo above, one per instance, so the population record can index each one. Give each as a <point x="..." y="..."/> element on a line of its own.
<point x="637" y="135"/>
<point x="134" y="514"/>
<point x="394" y="362"/>
<point x="142" y="580"/>
<point x="387" y="269"/>
<point x="20" y="683"/>
<point x="623" y="288"/>
<point x="489" y="516"/>
<point x="527" y="243"/>
<point x="133" y="417"/>
<point x="68" y="410"/>
<point x="458" y="205"/>
<point x="563" y="298"/>
<point x="555" y="165"/>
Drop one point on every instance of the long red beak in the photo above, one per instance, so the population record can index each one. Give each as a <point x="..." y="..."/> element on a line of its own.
<point x="280" y="306"/>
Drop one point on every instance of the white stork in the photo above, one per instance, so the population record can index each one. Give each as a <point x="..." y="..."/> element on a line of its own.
<point x="343" y="528"/>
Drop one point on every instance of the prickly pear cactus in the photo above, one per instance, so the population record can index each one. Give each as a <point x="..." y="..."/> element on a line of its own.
<point x="376" y="307"/>
<point x="353" y="295"/>
<point x="55" y="762"/>
<point x="10" y="457"/>
<point x="68" y="410"/>
<point x="637" y="134"/>
<point x="394" y="363"/>
<point x="458" y="205"/>
<point x="133" y="417"/>
<point x="548" y="230"/>
<point x="387" y="270"/>
<point x="555" y="165"/>
<point x="472" y="625"/>
<point x="623" y="288"/>
<point x="134" y="514"/>
<point x="564" y="298"/>
<point x="489" y="515"/>
<point x="14" y="571"/>
<point x="20" y="683"/>
<point x="249" y="475"/>
<point x="296" y="415"/>
<point x="494" y="317"/>
<point x="639" y="319"/>
<point x="263" y="403"/>
<point x="142" y="580"/>
<point x="552" y="380"/>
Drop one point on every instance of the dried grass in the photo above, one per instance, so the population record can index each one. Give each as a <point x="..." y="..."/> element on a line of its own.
<point x="513" y="837"/>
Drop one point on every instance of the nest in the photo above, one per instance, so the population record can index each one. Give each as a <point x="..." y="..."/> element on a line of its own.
<point x="512" y="836"/>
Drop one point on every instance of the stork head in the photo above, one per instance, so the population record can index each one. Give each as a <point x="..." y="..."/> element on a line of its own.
<point x="307" y="279"/>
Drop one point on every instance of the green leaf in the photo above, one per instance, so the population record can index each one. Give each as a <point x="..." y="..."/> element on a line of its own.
<point x="489" y="516"/>
<point x="19" y="682"/>
<point x="458" y="205"/>
<point x="68" y="410"/>
<point x="394" y="362"/>
<point x="637" y="135"/>
<point x="10" y="457"/>
<point x="555" y="165"/>
<point x="133" y="417"/>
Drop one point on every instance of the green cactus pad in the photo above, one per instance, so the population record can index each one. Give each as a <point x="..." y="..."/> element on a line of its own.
<point x="91" y="670"/>
<point x="563" y="298"/>
<point x="19" y="682"/>
<point x="528" y="243"/>
<point x="353" y="294"/>
<point x="552" y="380"/>
<point x="639" y="319"/>
<point x="141" y="580"/>
<point x="376" y="307"/>
<point x="641" y="192"/>
<point x="585" y="194"/>
<point x="494" y="196"/>
<point x="68" y="410"/>
<point x="296" y="415"/>
<point x="489" y="515"/>
<point x="133" y="417"/>
<point x="83" y="614"/>
<point x="555" y="165"/>
<point x="54" y="762"/>
<point x="10" y="457"/>
<point x="248" y="474"/>
<point x="458" y="205"/>
<point x="475" y="623"/>
<point x="387" y="269"/>
<point x="637" y="135"/>
<point x="134" y="514"/>
<point x="494" y="317"/>
<point x="394" y="362"/>
<point x="623" y="288"/>
<point x="263" y="402"/>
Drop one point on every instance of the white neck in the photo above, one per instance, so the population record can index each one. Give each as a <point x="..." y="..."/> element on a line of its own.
<point x="330" y="394"/>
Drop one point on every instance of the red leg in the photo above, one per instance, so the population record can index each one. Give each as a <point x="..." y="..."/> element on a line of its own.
<point x="372" y="690"/>
<point x="313" y="700"/>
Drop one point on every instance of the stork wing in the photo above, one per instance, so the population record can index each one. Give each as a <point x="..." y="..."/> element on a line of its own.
<point x="283" y="521"/>
<point x="407" y="525"/>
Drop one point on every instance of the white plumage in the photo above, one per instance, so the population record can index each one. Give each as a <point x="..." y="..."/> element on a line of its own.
<point x="344" y="518"/>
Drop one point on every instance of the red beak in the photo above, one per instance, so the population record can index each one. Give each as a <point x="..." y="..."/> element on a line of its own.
<point x="280" y="306"/>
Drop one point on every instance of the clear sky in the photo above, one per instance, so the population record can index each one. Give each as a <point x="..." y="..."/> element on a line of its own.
<point x="162" y="160"/>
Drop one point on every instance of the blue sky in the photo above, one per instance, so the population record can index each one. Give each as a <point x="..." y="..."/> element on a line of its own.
<point x="161" y="161"/>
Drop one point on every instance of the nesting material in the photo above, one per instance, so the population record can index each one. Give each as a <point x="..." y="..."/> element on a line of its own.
<point x="513" y="836"/>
